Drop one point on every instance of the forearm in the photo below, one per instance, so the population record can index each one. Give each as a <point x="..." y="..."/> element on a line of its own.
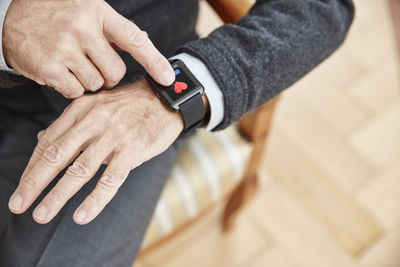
<point x="276" y="44"/>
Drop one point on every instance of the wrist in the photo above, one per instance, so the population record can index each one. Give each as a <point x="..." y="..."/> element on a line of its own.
<point x="206" y="104"/>
<point x="170" y="115"/>
<point x="207" y="109"/>
<point x="177" y="114"/>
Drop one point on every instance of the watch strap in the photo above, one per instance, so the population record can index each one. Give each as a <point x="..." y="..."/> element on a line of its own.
<point x="193" y="112"/>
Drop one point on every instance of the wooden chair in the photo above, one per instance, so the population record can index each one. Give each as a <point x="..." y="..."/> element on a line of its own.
<point x="254" y="126"/>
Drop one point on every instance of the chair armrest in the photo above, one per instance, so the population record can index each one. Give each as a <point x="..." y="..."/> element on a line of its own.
<point x="256" y="124"/>
<point x="231" y="11"/>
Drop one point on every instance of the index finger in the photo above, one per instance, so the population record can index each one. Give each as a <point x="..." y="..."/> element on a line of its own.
<point x="130" y="38"/>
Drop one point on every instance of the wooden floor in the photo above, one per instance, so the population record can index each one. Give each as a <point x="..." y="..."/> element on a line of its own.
<point x="330" y="194"/>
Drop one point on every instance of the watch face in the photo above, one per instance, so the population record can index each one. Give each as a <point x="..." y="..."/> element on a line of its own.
<point x="185" y="87"/>
<point x="182" y="85"/>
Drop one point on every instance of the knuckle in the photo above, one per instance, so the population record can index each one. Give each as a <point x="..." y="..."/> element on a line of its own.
<point x="29" y="182"/>
<point x="40" y="66"/>
<point x="138" y="38"/>
<point x="120" y="129"/>
<point x="68" y="94"/>
<point x="120" y="68"/>
<point x="50" y="72"/>
<point x="59" y="81"/>
<point x="57" y="195"/>
<point x="52" y="154"/>
<point x="80" y="23"/>
<point x="125" y="143"/>
<point x="71" y="92"/>
<point x="117" y="74"/>
<point x="63" y="87"/>
<point x="43" y="143"/>
<point x="96" y="82"/>
<point x="73" y="132"/>
<point x="79" y="169"/>
<point x="40" y="134"/>
<point x="109" y="181"/>
<point x="100" y="111"/>
<point x="73" y="88"/>
<point x="64" y="51"/>
<point x="101" y="46"/>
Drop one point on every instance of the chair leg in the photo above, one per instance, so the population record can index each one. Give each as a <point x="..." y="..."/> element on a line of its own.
<point x="256" y="127"/>
<point x="246" y="188"/>
<point x="242" y="194"/>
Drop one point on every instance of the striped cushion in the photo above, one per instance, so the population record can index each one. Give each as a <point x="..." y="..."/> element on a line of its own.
<point x="209" y="166"/>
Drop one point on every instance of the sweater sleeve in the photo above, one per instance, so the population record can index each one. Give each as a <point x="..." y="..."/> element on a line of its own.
<point x="269" y="49"/>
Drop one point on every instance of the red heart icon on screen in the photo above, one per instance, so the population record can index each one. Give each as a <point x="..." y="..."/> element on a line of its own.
<point x="179" y="87"/>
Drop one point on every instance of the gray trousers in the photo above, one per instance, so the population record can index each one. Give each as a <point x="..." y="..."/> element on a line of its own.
<point x="112" y="239"/>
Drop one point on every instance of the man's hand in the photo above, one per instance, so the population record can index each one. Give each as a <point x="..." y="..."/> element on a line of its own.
<point x="67" y="44"/>
<point x="121" y="128"/>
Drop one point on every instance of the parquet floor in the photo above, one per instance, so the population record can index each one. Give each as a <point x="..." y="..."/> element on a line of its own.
<point x="330" y="193"/>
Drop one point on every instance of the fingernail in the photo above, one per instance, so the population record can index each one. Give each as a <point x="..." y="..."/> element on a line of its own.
<point x="168" y="77"/>
<point x="40" y="212"/>
<point x="15" y="202"/>
<point x="81" y="215"/>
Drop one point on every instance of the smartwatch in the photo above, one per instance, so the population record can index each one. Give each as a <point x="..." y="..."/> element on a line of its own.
<point x="185" y="95"/>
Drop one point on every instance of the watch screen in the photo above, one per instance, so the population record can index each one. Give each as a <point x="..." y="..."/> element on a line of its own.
<point x="181" y="86"/>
